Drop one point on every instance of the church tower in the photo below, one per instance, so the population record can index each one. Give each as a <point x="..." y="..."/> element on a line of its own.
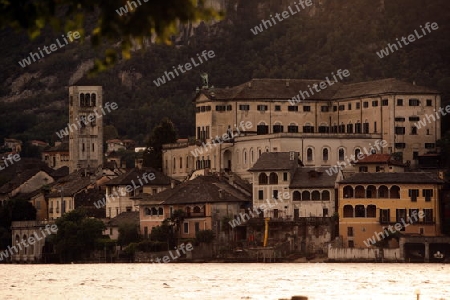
<point x="86" y="127"/>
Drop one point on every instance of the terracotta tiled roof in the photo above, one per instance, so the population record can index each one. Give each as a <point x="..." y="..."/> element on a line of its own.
<point x="129" y="217"/>
<point x="275" y="161"/>
<point x="407" y="177"/>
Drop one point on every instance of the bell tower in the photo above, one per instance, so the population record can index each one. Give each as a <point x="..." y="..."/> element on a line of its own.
<point x="86" y="120"/>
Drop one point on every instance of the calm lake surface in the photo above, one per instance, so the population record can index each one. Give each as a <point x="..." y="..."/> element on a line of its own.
<point x="225" y="281"/>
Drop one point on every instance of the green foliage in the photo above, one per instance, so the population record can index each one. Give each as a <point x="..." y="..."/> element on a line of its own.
<point x="77" y="235"/>
<point x="204" y="236"/>
<point x="128" y="233"/>
<point x="155" y="18"/>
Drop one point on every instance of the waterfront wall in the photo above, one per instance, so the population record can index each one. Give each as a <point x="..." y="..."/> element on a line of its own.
<point x="367" y="254"/>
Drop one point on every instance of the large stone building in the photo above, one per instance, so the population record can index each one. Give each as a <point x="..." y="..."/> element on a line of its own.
<point x="325" y="128"/>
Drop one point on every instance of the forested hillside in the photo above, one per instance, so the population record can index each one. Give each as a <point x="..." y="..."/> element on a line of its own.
<point x="310" y="44"/>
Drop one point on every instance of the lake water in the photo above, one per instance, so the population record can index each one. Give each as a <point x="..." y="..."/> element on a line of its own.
<point x="225" y="281"/>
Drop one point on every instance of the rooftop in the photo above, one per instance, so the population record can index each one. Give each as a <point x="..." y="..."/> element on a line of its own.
<point x="276" y="161"/>
<point x="393" y="177"/>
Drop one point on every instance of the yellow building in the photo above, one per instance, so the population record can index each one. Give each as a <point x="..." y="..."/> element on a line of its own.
<point x="373" y="206"/>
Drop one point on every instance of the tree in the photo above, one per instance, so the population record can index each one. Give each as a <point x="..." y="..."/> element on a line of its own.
<point x="204" y="236"/>
<point x="77" y="235"/>
<point x="114" y="21"/>
<point x="128" y="233"/>
<point x="163" y="133"/>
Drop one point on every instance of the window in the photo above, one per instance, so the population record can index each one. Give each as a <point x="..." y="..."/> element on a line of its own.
<point x="400" y="145"/>
<point x="413" y="215"/>
<point x="375" y="103"/>
<point x="400" y="130"/>
<point x="263" y="178"/>
<point x="277" y="108"/>
<point x="262" y="107"/>
<point x="277" y="128"/>
<point x="429" y="102"/>
<point x="414" y="118"/>
<point x="185" y="227"/>
<point x="221" y="107"/>
<point x="262" y="129"/>
<point x="285" y="176"/>
<point x="341" y="107"/>
<point x="399" y="119"/>
<point x="415" y="155"/>
<point x="414" y="102"/>
<point x="413" y="130"/>
<point x="358" y="127"/>
<point x="385" y="102"/>
<point x="197" y="227"/>
<point x="399" y="102"/>
<point x="429" y="145"/>
<point x="324" y="109"/>
<point x="363" y="169"/>
<point x="307" y="108"/>
<point x="428" y="218"/>
<point x="374" y="126"/>
<point x="325" y="154"/>
<point x="428" y="131"/>
<point x="358" y="105"/>
<point x="413" y="194"/>
<point x="366" y="128"/>
<point x="296" y="196"/>
<point x="349" y="128"/>
<point x="325" y="195"/>
<point x="334" y="108"/>
<point x="349" y="106"/>
<point x="351" y="244"/>
<point x="341" y="154"/>
<point x="349" y="231"/>
<point x="365" y="104"/>
<point x="360" y="211"/>
<point x="427" y="194"/>
<point x="292" y="108"/>
<point x="309" y="154"/>
<point x="275" y="194"/>
<point x="244" y="107"/>
<point x="400" y="214"/>
<point x="229" y="107"/>
<point x="293" y="128"/>
<point x="260" y="195"/>
<point x="325" y="212"/>
<point x="324" y="129"/>
<point x="308" y="129"/>
<point x="384" y="216"/>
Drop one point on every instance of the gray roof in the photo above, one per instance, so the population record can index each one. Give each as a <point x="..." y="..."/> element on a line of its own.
<point x="275" y="161"/>
<point x="203" y="189"/>
<point x="132" y="176"/>
<point x="312" y="178"/>
<point x="129" y="217"/>
<point x="278" y="89"/>
<point x="407" y="177"/>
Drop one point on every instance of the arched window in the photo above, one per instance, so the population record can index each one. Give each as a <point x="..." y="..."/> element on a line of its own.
<point x="160" y="211"/>
<point x="93" y="99"/>
<point x="315" y="195"/>
<point x="371" y="191"/>
<point x="245" y="157"/>
<point x="262" y="178"/>
<point x="325" y="195"/>
<point x="87" y="99"/>
<point x="196" y="210"/>
<point x="348" y="191"/>
<point x="371" y="211"/>
<point x="296" y="196"/>
<point x="81" y="99"/>
<point x="147" y="211"/>
<point x="325" y="154"/>
<point x="251" y="156"/>
<point x="360" y="192"/>
<point x="154" y="211"/>
<point x="357" y="152"/>
<point x="309" y="154"/>
<point x="273" y="178"/>
<point x="383" y="192"/>
<point x="341" y="154"/>
<point x="395" y="192"/>
<point x="306" y="195"/>
<point x="348" y="211"/>
<point x="360" y="211"/>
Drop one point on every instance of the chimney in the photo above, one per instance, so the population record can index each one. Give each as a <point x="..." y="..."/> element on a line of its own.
<point x="249" y="84"/>
<point x="230" y="179"/>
